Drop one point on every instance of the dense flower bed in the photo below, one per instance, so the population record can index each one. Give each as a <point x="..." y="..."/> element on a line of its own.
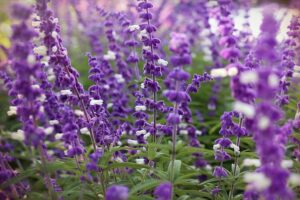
<point x="170" y="108"/>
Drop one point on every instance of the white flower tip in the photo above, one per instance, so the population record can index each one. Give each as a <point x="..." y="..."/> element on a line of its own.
<point x="12" y="111"/>
<point x="49" y="130"/>
<point x="35" y="86"/>
<point x="251" y="162"/>
<point x="98" y="102"/>
<point x="247" y="109"/>
<point x="134" y="27"/>
<point x="35" y="24"/>
<point x="273" y="80"/>
<point x="54" y="49"/>
<point x="66" y="92"/>
<point x="31" y="59"/>
<point x="54" y="34"/>
<point x="142" y="34"/>
<point x="132" y="142"/>
<point x="248" y="77"/>
<point x="106" y="86"/>
<point x="162" y="62"/>
<point x="198" y="132"/>
<point x="182" y="125"/>
<point x="110" y="56"/>
<point x="263" y="123"/>
<point x="58" y="136"/>
<point x="183" y="132"/>
<point x="146" y="48"/>
<point x="235" y="148"/>
<point x="258" y="180"/>
<point x="55" y="20"/>
<point x="218" y="73"/>
<point x="41" y="50"/>
<point x="140" y="108"/>
<point x="79" y="113"/>
<point x="110" y="105"/>
<point x="147" y="135"/>
<point x="232" y="71"/>
<point x="140" y="132"/>
<point x="287" y="164"/>
<point x="119" y="160"/>
<point x="53" y="122"/>
<point x="42" y="98"/>
<point x="84" y="130"/>
<point x="19" y="135"/>
<point x="120" y="78"/>
<point x="216" y="147"/>
<point x="294" y="179"/>
<point x="140" y="161"/>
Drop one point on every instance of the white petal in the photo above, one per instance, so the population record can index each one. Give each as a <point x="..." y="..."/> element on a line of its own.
<point x="247" y="109"/>
<point x="41" y="50"/>
<point x="251" y="162"/>
<point x="232" y="71"/>
<point x="218" y="73"/>
<point x="162" y="62"/>
<point x="140" y="108"/>
<point x="248" y="77"/>
<point x="98" y="102"/>
<point x="273" y="80"/>
<point x="258" y="180"/>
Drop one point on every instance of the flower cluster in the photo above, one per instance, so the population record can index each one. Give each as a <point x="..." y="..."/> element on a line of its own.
<point x="175" y="94"/>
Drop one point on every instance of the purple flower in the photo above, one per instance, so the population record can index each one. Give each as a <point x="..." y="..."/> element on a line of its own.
<point x="173" y="119"/>
<point x="269" y="137"/>
<point x="163" y="191"/>
<point x="116" y="192"/>
<point x="220" y="172"/>
<point x="177" y="96"/>
<point x="179" y="75"/>
<point x="94" y="158"/>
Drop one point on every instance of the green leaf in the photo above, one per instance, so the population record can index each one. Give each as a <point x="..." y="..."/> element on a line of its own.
<point x="174" y="169"/>
<point x="126" y="164"/>
<point x="149" y="184"/>
<point x="185" y="176"/>
<point x="183" y="197"/>
<point x="195" y="193"/>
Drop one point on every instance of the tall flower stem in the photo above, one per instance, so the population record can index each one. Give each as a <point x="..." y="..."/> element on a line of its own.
<point x="236" y="160"/>
<point x="42" y="9"/>
<point x="174" y="136"/>
<point x="48" y="183"/>
<point x="153" y="79"/>
<point x="83" y="107"/>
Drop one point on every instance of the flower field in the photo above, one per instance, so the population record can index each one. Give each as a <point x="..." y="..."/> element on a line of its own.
<point x="144" y="99"/>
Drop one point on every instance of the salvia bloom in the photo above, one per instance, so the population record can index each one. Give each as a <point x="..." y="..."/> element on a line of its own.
<point x="264" y="123"/>
<point x="142" y="124"/>
<point x="25" y="89"/>
<point x="154" y="66"/>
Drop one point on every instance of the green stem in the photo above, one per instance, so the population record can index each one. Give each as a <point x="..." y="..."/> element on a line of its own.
<point x="236" y="160"/>
<point x="48" y="183"/>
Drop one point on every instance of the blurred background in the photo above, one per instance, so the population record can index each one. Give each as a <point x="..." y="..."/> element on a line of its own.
<point x="71" y="12"/>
